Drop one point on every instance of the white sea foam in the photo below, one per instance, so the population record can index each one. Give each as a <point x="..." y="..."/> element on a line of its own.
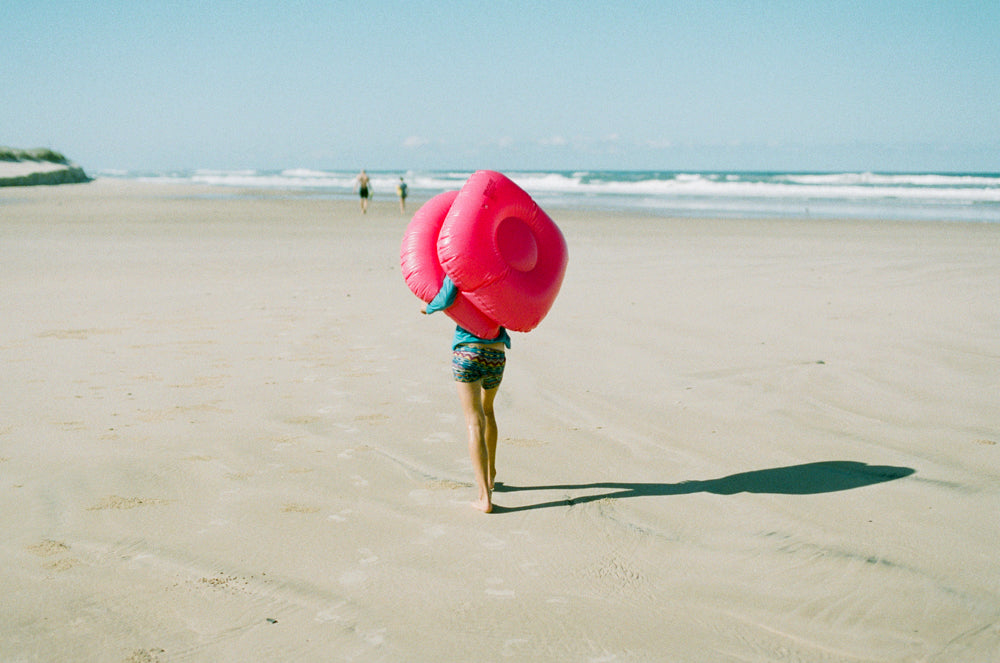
<point x="896" y="180"/>
<point x="890" y="195"/>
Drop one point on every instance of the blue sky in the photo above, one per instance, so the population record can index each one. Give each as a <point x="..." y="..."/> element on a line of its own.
<point x="543" y="84"/>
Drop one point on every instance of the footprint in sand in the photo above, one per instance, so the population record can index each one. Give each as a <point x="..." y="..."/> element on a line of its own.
<point x="145" y="656"/>
<point x="74" y="334"/>
<point x="352" y="577"/>
<point x="356" y="576"/>
<point x="493" y="543"/>
<point x="341" y="516"/>
<point x="523" y="442"/>
<point x="348" y="453"/>
<point x="226" y="582"/>
<point x="431" y="535"/>
<point x="371" y="418"/>
<point x="64" y="564"/>
<point x="48" y="548"/>
<point x="73" y="425"/>
<point x="445" y="484"/>
<point x="439" y="437"/>
<point x="496" y="590"/>
<point x="615" y="571"/>
<point x="368" y="556"/>
<point x="299" y="508"/>
<point x="303" y="420"/>
<point x="120" y="503"/>
<point x="331" y="614"/>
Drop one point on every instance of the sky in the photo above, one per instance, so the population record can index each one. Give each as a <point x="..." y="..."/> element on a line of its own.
<point x="798" y="85"/>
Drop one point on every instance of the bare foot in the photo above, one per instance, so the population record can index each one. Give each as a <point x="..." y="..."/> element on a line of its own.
<point x="484" y="504"/>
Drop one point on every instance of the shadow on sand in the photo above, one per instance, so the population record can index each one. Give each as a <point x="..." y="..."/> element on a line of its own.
<point x="808" y="479"/>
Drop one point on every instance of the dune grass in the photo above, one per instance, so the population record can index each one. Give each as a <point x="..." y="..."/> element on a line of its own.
<point x="35" y="154"/>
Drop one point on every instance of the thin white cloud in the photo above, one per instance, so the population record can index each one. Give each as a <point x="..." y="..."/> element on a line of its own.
<point x="553" y="141"/>
<point x="415" y="142"/>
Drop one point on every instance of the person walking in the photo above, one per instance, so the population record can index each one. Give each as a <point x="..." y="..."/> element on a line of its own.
<point x="401" y="190"/>
<point x="477" y="366"/>
<point x="363" y="185"/>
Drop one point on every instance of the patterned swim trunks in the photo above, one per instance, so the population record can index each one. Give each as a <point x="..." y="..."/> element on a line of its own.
<point x="471" y="364"/>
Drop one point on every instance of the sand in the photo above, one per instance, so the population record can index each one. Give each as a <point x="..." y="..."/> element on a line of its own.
<point x="28" y="173"/>
<point x="11" y="169"/>
<point x="226" y="434"/>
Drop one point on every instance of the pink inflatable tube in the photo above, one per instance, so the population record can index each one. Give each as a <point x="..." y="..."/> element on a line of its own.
<point x="505" y="255"/>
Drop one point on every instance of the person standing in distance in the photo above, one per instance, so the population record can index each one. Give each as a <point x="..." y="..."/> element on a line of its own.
<point x="401" y="190"/>
<point x="363" y="184"/>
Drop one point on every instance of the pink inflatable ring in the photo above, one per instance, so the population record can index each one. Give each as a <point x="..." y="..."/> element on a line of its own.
<point x="505" y="255"/>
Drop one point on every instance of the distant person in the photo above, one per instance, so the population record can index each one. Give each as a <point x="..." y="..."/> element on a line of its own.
<point x="401" y="190"/>
<point x="363" y="185"/>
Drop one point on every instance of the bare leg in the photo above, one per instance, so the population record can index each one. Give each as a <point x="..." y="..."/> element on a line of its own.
<point x="490" y="434"/>
<point x="471" y="396"/>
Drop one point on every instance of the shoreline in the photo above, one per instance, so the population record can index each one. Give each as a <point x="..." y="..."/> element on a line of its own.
<point x="101" y="186"/>
<point x="226" y="432"/>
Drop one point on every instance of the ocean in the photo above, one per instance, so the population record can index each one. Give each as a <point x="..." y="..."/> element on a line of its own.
<point x="970" y="197"/>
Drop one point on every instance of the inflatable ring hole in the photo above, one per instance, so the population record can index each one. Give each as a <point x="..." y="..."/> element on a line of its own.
<point x="516" y="244"/>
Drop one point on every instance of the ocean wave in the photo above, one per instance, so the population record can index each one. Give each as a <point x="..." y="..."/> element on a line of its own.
<point x="971" y="196"/>
<point x="837" y="186"/>
<point x="929" y="180"/>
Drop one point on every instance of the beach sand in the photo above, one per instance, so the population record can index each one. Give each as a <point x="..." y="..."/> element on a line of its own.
<point x="227" y="434"/>
<point x="13" y="169"/>
<point x="29" y="172"/>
